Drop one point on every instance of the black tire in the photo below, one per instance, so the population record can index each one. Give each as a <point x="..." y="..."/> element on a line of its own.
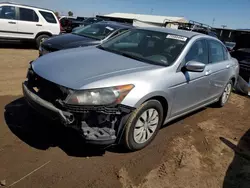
<point x="128" y="137"/>
<point x="40" y="39"/>
<point x="220" y="102"/>
<point x="241" y="86"/>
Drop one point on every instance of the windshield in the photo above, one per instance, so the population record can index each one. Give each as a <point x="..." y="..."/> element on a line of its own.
<point x="96" y="31"/>
<point x="147" y="46"/>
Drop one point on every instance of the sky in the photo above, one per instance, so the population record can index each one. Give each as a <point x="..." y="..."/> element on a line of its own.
<point x="232" y="13"/>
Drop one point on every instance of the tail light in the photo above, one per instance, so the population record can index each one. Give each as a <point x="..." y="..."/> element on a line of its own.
<point x="61" y="28"/>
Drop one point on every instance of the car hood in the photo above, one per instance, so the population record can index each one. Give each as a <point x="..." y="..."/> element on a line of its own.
<point x="73" y="68"/>
<point x="68" y="41"/>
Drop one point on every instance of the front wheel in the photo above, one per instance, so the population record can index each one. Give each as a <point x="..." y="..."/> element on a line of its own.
<point x="143" y="125"/>
<point x="40" y="39"/>
<point x="225" y="95"/>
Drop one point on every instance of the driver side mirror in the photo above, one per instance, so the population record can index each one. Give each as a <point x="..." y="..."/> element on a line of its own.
<point x="195" y="66"/>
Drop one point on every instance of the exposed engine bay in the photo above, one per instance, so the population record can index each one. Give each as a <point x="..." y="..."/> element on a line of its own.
<point x="96" y="123"/>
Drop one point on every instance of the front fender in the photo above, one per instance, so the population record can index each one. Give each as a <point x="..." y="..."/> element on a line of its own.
<point x="152" y="95"/>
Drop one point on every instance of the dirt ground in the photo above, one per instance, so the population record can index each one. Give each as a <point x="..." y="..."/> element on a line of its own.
<point x="207" y="149"/>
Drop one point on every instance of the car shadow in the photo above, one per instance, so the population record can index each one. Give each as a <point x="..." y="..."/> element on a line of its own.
<point x="238" y="172"/>
<point x="17" y="45"/>
<point x="41" y="133"/>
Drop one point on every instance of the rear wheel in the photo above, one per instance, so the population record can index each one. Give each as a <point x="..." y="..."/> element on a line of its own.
<point x="225" y="95"/>
<point x="40" y="39"/>
<point x="143" y="125"/>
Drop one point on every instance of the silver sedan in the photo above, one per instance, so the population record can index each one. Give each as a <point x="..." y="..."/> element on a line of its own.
<point x="125" y="89"/>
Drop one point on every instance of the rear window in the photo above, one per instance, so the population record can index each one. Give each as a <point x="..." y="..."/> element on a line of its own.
<point x="49" y="17"/>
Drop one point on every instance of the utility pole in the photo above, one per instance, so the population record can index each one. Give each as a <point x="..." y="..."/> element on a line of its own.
<point x="151" y="11"/>
<point x="213" y="21"/>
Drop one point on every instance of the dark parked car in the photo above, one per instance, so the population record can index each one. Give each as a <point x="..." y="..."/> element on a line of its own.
<point x="85" y="36"/>
<point x="230" y="45"/>
<point x="68" y="23"/>
<point x="89" y="21"/>
<point x="241" y="52"/>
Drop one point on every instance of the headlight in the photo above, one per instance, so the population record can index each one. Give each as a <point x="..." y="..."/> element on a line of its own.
<point x="101" y="96"/>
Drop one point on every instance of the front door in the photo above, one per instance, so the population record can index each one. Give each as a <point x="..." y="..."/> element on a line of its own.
<point x="8" y="22"/>
<point x="192" y="88"/>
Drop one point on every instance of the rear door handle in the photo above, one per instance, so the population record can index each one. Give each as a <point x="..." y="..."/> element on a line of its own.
<point x="208" y="72"/>
<point x="228" y="66"/>
<point x="12" y="22"/>
<point x="39" y="25"/>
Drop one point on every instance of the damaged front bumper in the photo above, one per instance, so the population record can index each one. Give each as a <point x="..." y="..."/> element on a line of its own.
<point x="101" y="125"/>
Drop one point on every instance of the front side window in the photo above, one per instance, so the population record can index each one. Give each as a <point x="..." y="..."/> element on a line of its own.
<point x="8" y="12"/>
<point x="147" y="46"/>
<point x="28" y="15"/>
<point x="48" y="16"/>
<point x="96" y="31"/>
<point x="198" y="52"/>
<point x="216" y="53"/>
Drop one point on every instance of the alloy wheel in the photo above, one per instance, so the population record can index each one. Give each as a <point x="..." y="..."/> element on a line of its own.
<point x="226" y="93"/>
<point x="146" y="126"/>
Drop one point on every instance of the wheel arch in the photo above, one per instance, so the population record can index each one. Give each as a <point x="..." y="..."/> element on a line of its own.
<point x="43" y="33"/>
<point x="233" y="78"/>
<point x="162" y="97"/>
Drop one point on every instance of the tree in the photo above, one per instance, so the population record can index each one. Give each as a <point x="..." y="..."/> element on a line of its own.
<point x="56" y="13"/>
<point x="70" y="13"/>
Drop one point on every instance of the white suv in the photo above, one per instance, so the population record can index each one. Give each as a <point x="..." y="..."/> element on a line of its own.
<point x="27" y="23"/>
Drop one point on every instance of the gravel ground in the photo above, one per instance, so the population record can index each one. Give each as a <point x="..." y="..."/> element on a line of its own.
<point x="209" y="148"/>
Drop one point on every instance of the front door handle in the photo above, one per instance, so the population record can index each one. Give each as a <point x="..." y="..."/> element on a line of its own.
<point x="39" y="25"/>
<point x="228" y="66"/>
<point x="12" y="22"/>
<point x="208" y="72"/>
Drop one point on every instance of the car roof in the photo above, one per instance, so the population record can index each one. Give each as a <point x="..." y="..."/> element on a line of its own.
<point x="11" y="3"/>
<point x="180" y="32"/>
<point x="115" y="24"/>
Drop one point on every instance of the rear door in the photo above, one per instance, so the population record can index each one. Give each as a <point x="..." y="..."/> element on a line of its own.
<point x="218" y="68"/>
<point x="29" y="24"/>
<point x="8" y="22"/>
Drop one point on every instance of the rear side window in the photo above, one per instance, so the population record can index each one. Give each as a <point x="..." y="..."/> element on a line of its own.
<point x="28" y="15"/>
<point x="48" y="16"/>
<point x="8" y="12"/>
<point x="216" y="51"/>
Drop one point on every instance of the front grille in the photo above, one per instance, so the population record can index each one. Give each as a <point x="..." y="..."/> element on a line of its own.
<point x="111" y="109"/>
<point x="45" y="89"/>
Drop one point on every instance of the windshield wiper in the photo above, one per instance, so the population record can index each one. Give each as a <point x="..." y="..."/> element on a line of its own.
<point x="87" y="36"/>
<point x="121" y="53"/>
<point x="131" y="56"/>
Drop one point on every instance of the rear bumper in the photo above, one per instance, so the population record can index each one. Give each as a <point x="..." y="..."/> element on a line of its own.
<point x="94" y="135"/>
